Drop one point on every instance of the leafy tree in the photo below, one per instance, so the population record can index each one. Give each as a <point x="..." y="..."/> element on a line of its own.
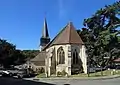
<point x="6" y="52"/>
<point x="101" y="35"/>
<point x="19" y="57"/>
<point x="29" y="54"/>
<point x="9" y="55"/>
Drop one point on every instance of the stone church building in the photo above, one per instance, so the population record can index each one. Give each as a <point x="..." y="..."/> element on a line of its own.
<point x="65" y="52"/>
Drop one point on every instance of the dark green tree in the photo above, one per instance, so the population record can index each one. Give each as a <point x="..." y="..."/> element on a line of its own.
<point x="101" y="38"/>
<point x="9" y="55"/>
<point x="29" y="54"/>
<point x="7" y="51"/>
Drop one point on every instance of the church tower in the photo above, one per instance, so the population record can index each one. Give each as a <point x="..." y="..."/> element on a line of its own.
<point x="45" y="39"/>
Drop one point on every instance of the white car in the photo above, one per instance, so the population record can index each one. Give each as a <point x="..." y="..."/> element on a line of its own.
<point x="6" y="73"/>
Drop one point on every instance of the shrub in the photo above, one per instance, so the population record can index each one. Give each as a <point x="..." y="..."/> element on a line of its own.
<point x="59" y="73"/>
<point x="40" y="70"/>
<point x="52" y="70"/>
<point x="64" y="73"/>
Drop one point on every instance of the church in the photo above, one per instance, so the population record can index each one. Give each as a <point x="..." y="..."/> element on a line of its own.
<point x="66" y="51"/>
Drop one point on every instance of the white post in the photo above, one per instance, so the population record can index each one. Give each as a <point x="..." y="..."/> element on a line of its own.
<point x="49" y="66"/>
<point x="48" y="71"/>
<point x="84" y="59"/>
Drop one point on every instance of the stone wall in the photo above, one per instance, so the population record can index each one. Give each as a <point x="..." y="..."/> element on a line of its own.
<point x="68" y="49"/>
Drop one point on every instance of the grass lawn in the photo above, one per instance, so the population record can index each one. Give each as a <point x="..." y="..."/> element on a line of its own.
<point x="97" y="74"/>
<point x="42" y="75"/>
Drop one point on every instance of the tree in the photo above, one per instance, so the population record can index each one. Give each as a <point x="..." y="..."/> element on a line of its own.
<point x="6" y="52"/>
<point x="19" y="57"/>
<point x="102" y="28"/>
<point x="29" y="54"/>
<point x="89" y="40"/>
<point x="9" y="55"/>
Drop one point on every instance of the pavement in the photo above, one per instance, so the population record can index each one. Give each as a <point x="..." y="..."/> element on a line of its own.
<point x="14" y="81"/>
<point x="76" y="78"/>
<point x="106" y="80"/>
<point x="115" y="81"/>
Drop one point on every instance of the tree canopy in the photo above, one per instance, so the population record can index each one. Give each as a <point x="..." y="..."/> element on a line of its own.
<point x="101" y="35"/>
<point x="9" y="55"/>
<point x="7" y="51"/>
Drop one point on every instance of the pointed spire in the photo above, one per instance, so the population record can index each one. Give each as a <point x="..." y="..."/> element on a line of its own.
<point x="45" y="30"/>
<point x="45" y="39"/>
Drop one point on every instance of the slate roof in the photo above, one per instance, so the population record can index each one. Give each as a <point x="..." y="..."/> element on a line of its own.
<point x="39" y="63"/>
<point x="68" y="35"/>
<point x="45" y="33"/>
<point x="39" y="60"/>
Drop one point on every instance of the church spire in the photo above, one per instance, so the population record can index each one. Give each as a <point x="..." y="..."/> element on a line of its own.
<point x="44" y="40"/>
<point x="45" y="33"/>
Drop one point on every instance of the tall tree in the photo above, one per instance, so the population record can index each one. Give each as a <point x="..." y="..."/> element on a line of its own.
<point x="102" y="28"/>
<point x="9" y="55"/>
<point x="29" y="54"/>
<point x="6" y="52"/>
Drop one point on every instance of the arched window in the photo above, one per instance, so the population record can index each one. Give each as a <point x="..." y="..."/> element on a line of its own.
<point x="75" y="57"/>
<point x="61" y="56"/>
<point x="76" y="53"/>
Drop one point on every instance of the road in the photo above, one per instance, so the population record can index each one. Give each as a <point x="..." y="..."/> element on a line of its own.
<point x="13" y="81"/>
<point x="115" y="81"/>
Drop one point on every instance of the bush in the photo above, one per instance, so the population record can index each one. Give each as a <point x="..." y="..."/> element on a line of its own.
<point x="59" y="73"/>
<point x="40" y="70"/>
<point x="64" y="73"/>
<point x="52" y="70"/>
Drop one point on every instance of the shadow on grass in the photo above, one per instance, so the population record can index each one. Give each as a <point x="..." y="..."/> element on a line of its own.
<point x="14" y="81"/>
<point x="98" y="75"/>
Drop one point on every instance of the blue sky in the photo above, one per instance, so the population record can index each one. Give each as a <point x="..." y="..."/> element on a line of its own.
<point x="21" y="21"/>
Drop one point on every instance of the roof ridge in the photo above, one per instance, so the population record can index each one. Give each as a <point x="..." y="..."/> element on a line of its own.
<point x="70" y="31"/>
<point x="55" y="37"/>
<point x="68" y="35"/>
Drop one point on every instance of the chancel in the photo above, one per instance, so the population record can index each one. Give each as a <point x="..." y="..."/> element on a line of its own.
<point x="66" y="51"/>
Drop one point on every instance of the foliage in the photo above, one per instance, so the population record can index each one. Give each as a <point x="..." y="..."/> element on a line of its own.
<point x="101" y="35"/>
<point x="118" y="39"/>
<point x="41" y="75"/>
<point x="19" y="57"/>
<point x="59" y="73"/>
<point x="41" y="70"/>
<point x="64" y="73"/>
<point x="9" y="55"/>
<point x="29" y="54"/>
<point x="98" y="74"/>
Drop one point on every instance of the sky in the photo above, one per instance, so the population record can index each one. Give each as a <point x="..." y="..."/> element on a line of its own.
<point x="21" y="21"/>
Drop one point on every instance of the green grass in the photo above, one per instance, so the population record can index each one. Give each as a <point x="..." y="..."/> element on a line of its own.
<point x="97" y="74"/>
<point x="42" y="75"/>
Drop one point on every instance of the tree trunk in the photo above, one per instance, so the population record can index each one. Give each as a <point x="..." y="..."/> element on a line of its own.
<point x="101" y="71"/>
<point x="88" y="73"/>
